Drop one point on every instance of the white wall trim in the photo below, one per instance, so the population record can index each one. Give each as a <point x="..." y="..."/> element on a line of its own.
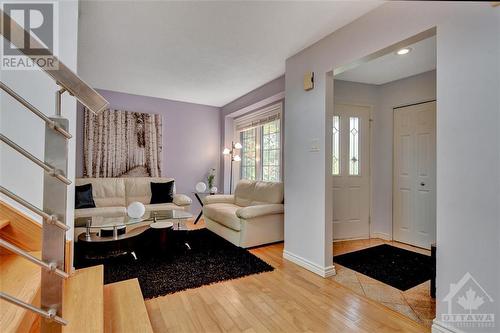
<point x="348" y="239"/>
<point x="381" y="235"/>
<point x="317" y="269"/>
<point x="439" y="327"/>
<point x="229" y="133"/>
<point x="260" y="104"/>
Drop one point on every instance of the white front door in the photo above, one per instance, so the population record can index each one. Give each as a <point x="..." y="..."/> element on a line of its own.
<point x="414" y="202"/>
<point x="351" y="171"/>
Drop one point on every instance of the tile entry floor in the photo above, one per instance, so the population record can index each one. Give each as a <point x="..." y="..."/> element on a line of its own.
<point x="414" y="303"/>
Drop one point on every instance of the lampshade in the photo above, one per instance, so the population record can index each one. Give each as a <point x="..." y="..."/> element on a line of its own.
<point x="136" y="209"/>
<point x="225" y="151"/>
<point x="238" y="145"/>
<point x="237" y="158"/>
<point x="201" y="187"/>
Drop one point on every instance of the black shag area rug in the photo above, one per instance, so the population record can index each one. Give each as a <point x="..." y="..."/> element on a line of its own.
<point x="208" y="259"/>
<point x="399" y="268"/>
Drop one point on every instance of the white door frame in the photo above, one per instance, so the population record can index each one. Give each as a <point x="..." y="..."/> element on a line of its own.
<point x="370" y="157"/>
<point x="394" y="108"/>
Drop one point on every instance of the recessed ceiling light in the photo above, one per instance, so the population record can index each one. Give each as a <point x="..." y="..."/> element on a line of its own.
<point x="404" y="51"/>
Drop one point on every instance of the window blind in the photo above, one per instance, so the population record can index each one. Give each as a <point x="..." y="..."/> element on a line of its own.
<point x="257" y="118"/>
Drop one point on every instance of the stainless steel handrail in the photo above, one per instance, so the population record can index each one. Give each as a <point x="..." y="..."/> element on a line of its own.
<point x="29" y="106"/>
<point x="49" y="218"/>
<point x="62" y="75"/>
<point x="56" y="135"/>
<point x="49" y="169"/>
<point x="51" y="314"/>
<point x="51" y="267"/>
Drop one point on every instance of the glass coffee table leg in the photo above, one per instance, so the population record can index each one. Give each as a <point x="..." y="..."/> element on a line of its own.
<point x="185" y="233"/>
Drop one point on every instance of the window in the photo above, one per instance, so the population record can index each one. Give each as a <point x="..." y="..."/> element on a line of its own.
<point x="260" y="137"/>
<point x="271" y="151"/>
<point x="336" y="146"/>
<point x="248" y="154"/>
<point x="354" y="146"/>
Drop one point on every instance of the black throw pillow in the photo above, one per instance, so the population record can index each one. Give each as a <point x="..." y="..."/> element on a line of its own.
<point x="83" y="197"/>
<point x="162" y="192"/>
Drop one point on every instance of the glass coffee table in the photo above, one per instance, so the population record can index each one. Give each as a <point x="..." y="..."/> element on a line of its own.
<point x="115" y="235"/>
<point x="114" y="227"/>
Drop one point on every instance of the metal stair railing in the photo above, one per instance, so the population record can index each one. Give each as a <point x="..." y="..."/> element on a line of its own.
<point x="49" y="169"/>
<point x="54" y="187"/>
<point x="48" y="121"/>
<point x="50" y="314"/>
<point x="51" y="267"/>
<point x="49" y="218"/>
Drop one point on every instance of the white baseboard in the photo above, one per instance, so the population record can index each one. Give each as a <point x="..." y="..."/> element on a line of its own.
<point x="381" y="235"/>
<point x="439" y="327"/>
<point x="320" y="270"/>
<point x="348" y="239"/>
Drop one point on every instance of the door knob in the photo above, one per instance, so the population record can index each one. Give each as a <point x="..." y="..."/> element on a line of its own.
<point x="422" y="184"/>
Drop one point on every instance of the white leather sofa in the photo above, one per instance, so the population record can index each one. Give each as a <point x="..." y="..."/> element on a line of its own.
<point x="113" y="195"/>
<point x="252" y="216"/>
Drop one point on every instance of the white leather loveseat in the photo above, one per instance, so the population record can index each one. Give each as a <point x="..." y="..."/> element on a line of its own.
<point x="113" y="195"/>
<point x="252" y="216"/>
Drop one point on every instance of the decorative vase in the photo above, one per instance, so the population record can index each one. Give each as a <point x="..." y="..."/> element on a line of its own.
<point x="136" y="210"/>
<point x="213" y="190"/>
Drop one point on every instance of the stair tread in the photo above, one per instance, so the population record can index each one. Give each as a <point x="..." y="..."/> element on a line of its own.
<point x="125" y="310"/>
<point x="83" y="305"/>
<point x="4" y="223"/>
<point x="21" y="279"/>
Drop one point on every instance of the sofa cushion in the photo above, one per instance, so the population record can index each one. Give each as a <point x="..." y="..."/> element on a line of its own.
<point x="162" y="206"/>
<point x="251" y="193"/>
<point x="182" y="200"/>
<point x="100" y="211"/>
<point x="83" y="197"/>
<point x="267" y="193"/>
<point x="223" y="213"/>
<point x="218" y="198"/>
<point x="107" y="192"/>
<point x="162" y="192"/>
<point x="259" y="210"/>
<point x="244" y="193"/>
<point x="139" y="188"/>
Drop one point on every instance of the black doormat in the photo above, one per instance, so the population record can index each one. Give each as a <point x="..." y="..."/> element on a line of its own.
<point x="210" y="259"/>
<point x="399" y="268"/>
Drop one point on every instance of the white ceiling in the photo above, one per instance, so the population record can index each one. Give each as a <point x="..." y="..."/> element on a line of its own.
<point x="392" y="67"/>
<point x="201" y="52"/>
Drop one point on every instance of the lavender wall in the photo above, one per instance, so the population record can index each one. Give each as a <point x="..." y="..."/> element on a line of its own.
<point x="269" y="89"/>
<point x="191" y="137"/>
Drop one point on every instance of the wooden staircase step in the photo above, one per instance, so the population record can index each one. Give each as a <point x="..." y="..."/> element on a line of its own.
<point x="21" y="279"/>
<point x="4" y="223"/>
<point x="124" y="308"/>
<point x="83" y="301"/>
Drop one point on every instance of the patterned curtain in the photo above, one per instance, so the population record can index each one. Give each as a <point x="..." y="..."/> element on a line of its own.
<point x="122" y="144"/>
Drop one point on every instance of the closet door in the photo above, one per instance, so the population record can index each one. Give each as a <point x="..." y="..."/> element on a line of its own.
<point x="414" y="192"/>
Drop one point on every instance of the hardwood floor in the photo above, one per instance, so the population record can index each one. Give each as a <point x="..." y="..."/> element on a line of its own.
<point x="288" y="299"/>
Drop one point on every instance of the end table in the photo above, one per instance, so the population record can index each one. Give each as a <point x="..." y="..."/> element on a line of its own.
<point x="197" y="195"/>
